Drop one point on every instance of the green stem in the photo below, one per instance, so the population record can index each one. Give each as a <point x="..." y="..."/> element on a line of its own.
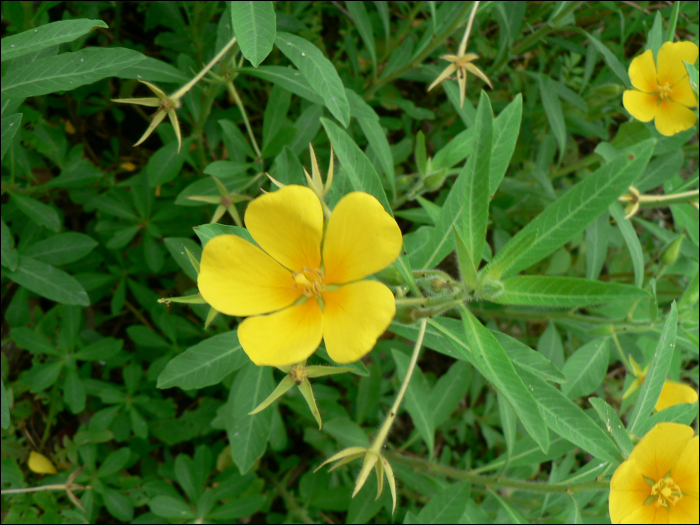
<point x="43" y="488"/>
<point x="658" y="201"/>
<point x="404" y="29"/>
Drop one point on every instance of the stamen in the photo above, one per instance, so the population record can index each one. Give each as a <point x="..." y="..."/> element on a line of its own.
<point x="665" y="491"/>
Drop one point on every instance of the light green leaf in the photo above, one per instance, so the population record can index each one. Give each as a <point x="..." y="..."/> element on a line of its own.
<point x="509" y="422"/>
<point x="364" y="27"/>
<point x="447" y="506"/>
<point x="417" y="399"/>
<point x="205" y="363"/>
<point x="597" y="238"/>
<point x="346" y="432"/>
<point x="49" y="282"/>
<point x="67" y="71"/>
<point x="287" y="78"/>
<point x="585" y="369"/>
<point x="39" y="213"/>
<point x="5" y="407"/>
<point x="683" y="413"/>
<point x="525" y="357"/>
<point x="564" y="292"/>
<point x="46" y="36"/>
<point x="357" y="166"/>
<point x="9" y="126"/>
<point x="506" y="129"/>
<point x="553" y="110"/>
<point x="608" y="415"/>
<point x="255" y="25"/>
<point x="656" y="376"/>
<point x="318" y="71"/>
<point x="10" y="257"/>
<point x="577" y="208"/>
<point x="611" y="60"/>
<point x="61" y="249"/>
<point x="632" y="241"/>
<point x="497" y="367"/>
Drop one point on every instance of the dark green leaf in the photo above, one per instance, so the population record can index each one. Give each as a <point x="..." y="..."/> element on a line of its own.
<point x="48" y="282"/>
<point x="9" y="127"/>
<point x="10" y="257"/>
<point x="61" y="249"/>
<point x="40" y="213"/>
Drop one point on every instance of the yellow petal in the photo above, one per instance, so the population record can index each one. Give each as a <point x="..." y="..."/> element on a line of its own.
<point x="672" y="118"/>
<point x="685" y="510"/>
<point x="40" y="464"/>
<point x="674" y="393"/>
<point x="685" y="473"/>
<point x="641" y="106"/>
<point x="288" y="224"/>
<point x="642" y="72"/>
<point x="354" y="317"/>
<point x="658" y="452"/>
<point x="479" y="73"/>
<point x="446" y="73"/>
<point x="670" y="59"/>
<point x="361" y="239"/>
<point x="157" y="119"/>
<point x="683" y="93"/>
<point x="648" y="514"/>
<point x="628" y="491"/>
<point x="238" y="278"/>
<point x="282" y="338"/>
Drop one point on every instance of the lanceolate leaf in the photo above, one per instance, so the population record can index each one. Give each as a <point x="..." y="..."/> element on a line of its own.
<point x="49" y="282"/>
<point x="585" y="369"/>
<point x="506" y="129"/>
<point x="577" y="208"/>
<point x="631" y="240"/>
<point x="564" y="292"/>
<point x="254" y="24"/>
<point x="287" y="78"/>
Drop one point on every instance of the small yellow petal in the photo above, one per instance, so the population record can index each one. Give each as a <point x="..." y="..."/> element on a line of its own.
<point x="641" y="106"/>
<point x="672" y="118"/>
<point x="648" y="514"/>
<point x="40" y="464"/>
<point x="354" y="317"/>
<point x="361" y="239"/>
<point x="288" y="225"/>
<point x="642" y="72"/>
<point x="674" y="393"/>
<point x="670" y="59"/>
<point x="658" y="451"/>
<point x="282" y="338"/>
<point x="238" y="278"/>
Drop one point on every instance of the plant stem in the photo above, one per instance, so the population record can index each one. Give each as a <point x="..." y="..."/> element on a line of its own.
<point x="41" y="488"/>
<point x="656" y="201"/>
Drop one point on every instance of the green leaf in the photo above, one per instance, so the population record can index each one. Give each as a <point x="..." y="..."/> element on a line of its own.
<point x="5" y="407"/>
<point x="46" y="36"/>
<point x="497" y="266"/>
<point x="275" y="115"/>
<point x="241" y="507"/>
<point x="585" y="369"/>
<point x="153" y="70"/>
<point x="608" y="415"/>
<point x="33" y="342"/>
<point x="357" y="166"/>
<point x="74" y="391"/>
<point x="655" y="35"/>
<point x="9" y="126"/>
<point x="564" y="292"/>
<point x="497" y="367"/>
<point x="119" y="505"/>
<point x="632" y="241"/>
<point x="122" y="237"/>
<point x="318" y="71"/>
<point x="448" y="391"/>
<point x="205" y="363"/>
<point x="49" y="282"/>
<point x="611" y="60"/>
<point x="8" y="253"/>
<point x="577" y="208"/>
<point x="171" y="508"/>
<point x="509" y="423"/>
<point x="287" y="78"/>
<point x="524" y="357"/>
<point x="114" y="462"/>
<point x="346" y="432"/>
<point x="476" y="195"/>
<point x="39" y="213"/>
<point x="660" y="169"/>
<point x="166" y="163"/>
<point x="454" y="151"/>
<point x="364" y="27"/>
<point x="506" y="129"/>
<point x="447" y="506"/>
<point x="656" y="376"/>
<point x="597" y="238"/>
<point x="553" y="110"/>
<point x="41" y="377"/>
<point x="255" y="25"/>
<point x="417" y="399"/>
<point x="176" y="246"/>
<point x="205" y="232"/>
<point x="67" y="71"/>
<point x="248" y="434"/>
<point x="683" y="413"/>
<point x="61" y="249"/>
<point x="101" y="350"/>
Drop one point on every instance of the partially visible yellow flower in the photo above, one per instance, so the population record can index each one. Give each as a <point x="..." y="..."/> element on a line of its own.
<point x="662" y="91"/>
<point x="659" y="481"/>
<point x="40" y="464"/>
<point x="674" y="393"/>
<point x="309" y="284"/>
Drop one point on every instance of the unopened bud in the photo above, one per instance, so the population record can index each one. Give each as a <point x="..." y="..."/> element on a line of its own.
<point x="491" y="289"/>
<point x="670" y="253"/>
<point x="435" y="181"/>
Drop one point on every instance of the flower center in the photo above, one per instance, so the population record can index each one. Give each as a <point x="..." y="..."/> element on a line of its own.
<point x="664" y="91"/>
<point x="310" y="282"/>
<point x="665" y="491"/>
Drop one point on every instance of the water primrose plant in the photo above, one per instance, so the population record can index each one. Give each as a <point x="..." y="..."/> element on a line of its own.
<point x="485" y="312"/>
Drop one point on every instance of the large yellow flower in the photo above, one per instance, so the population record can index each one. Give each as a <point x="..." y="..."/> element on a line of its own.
<point x="662" y="92"/>
<point x="674" y="393"/>
<point x="309" y="284"/>
<point x="659" y="481"/>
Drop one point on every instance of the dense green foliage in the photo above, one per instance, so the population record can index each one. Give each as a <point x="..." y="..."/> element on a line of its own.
<point x="536" y="287"/>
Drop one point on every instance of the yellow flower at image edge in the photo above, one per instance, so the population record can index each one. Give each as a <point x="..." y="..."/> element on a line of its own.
<point x="659" y="481"/>
<point x="309" y="285"/>
<point x="662" y="91"/>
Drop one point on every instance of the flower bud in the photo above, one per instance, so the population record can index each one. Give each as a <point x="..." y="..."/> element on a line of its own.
<point x="670" y="253"/>
<point x="435" y="180"/>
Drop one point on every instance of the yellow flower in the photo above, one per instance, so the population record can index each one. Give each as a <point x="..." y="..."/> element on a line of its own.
<point x="674" y="393"/>
<point x="659" y="481"/>
<point x="662" y="92"/>
<point x="309" y="284"/>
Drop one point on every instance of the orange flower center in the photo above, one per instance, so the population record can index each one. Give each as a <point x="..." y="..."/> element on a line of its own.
<point x="664" y="91"/>
<point x="310" y="282"/>
<point x="665" y="491"/>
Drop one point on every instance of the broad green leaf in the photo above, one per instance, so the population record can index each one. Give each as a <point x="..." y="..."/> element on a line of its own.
<point x="608" y="415"/>
<point x="597" y="238"/>
<point x="114" y="462"/>
<point x="357" y="166"/>
<point x="242" y="507"/>
<point x="346" y="432"/>
<point x="38" y="212"/>
<point x="476" y="195"/>
<point x="318" y="71"/>
<point x="112" y="205"/>
<point x="205" y="363"/>
<point x="497" y="266"/>
<point x="61" y="249"/>
<point x="585" y="369"/>
<point x="255" y="25"/>
<point x="171" y="508"/>
<point x="49" y="282"/>
<point x="41" y="377"/>
<point x="9" y="126"/>
<point x="525" y="357"/>
<point x="506" y="128"/>
<point x="10" y="256"/>
<point x="467" y="267"/>
<point x="67" y="71"/>
<point x="45" y="36"/>
<point x="611" y="60"/>
<point x="364" y="27"/>
<point x="417" y="399"/>
<point x="153" y="70"/>
<point x="287" y="78"/>
<point x="448" y="391"/>
<point x="176" y="246"/>
<point x="122" y="237"/>
<point x="632" y="241"/>
<point x="447" y="506"/>
<point x="564" y="292"/>
<point x="577" y="208"/>
<point x="660" y="169"/>
<point x="119" y="505"/>
<point x="656" y="376"/>
<point x="497" y="367"/>
<point x="5" y="408"/>
<point x="166" y="163"/>
<point x="248" y="434"/>
<point x="101" y="350"/>
<point x="454" y="151"/>
<point x="568" y="420"/>
<point x="553" y="110"/>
